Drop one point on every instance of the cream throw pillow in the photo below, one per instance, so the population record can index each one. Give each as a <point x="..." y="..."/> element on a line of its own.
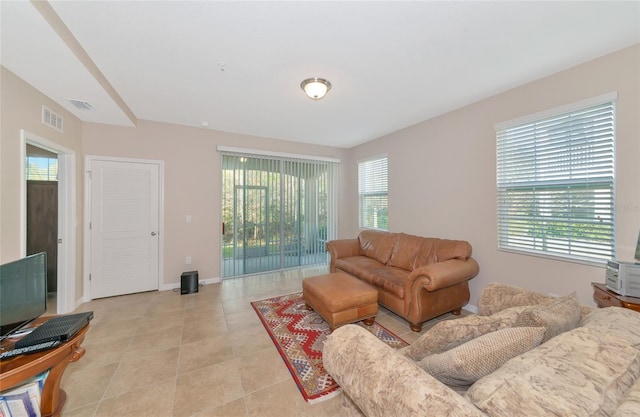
<point x="465" y="364"/>
<point x="556" y="316"/>
<point x="451" y="333"/>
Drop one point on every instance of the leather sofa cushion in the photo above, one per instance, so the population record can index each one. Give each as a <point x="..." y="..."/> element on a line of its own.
<point x="405" y="251"/>
<point x="376" y="244"/>
<point x="358" y="266"/>
<point x="375" y="273"/>
<point x="438" y="250"/>
<point x="390" y="279"/>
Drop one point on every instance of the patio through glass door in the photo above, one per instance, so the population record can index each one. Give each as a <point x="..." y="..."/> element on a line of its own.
<point x="277" y="213"/>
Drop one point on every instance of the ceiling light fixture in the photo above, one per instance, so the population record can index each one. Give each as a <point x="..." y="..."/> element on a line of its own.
<point x="315" y="87"/>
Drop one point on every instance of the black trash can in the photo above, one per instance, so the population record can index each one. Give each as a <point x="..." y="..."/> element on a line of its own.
<point x="189" y="282"/>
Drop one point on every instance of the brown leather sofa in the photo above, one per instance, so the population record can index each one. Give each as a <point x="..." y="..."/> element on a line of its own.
<point x="416" y="277"/>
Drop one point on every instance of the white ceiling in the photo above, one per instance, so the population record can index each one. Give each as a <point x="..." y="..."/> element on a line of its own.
<point x="237" y="66"/>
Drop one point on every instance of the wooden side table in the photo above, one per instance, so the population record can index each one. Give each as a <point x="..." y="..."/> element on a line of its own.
<point x="607" y="298"/>
<point x="17" y="370"/>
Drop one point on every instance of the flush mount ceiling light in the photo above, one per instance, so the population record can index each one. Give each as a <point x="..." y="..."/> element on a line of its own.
<point x="315" y="88"/>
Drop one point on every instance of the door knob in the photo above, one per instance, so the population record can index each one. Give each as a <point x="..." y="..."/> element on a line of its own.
<point x="153" y="233"/>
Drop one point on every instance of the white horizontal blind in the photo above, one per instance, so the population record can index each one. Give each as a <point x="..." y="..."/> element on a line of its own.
<point x="555" y="185"/>
<point x="373" y="191"/>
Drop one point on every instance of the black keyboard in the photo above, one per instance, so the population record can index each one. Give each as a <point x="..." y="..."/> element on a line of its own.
<point x="9" y="354"/>
<point x="60" y="328"/>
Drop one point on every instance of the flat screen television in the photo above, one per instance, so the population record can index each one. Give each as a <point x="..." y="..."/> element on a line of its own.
<point x="23" y="292"/>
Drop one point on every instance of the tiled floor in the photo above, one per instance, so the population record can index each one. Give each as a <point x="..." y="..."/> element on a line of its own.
<point x="204" y="354"/>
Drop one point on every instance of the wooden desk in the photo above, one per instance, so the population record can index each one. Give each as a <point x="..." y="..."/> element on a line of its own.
<point x="607" y="298"/>
<point x="15" y="371"/>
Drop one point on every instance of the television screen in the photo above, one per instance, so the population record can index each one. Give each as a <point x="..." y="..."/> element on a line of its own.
<point x="23" y="291"/>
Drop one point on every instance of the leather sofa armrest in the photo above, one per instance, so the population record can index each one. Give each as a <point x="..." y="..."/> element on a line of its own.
<point x="383" y="382"/>
<point x="342" y="248"/>
<point x="442" y="274"/>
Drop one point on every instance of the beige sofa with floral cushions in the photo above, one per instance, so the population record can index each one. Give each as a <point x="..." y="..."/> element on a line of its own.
<point x="524" y="354"/>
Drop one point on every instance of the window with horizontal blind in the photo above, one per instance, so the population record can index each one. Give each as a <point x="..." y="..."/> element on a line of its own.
<point x="555" y="184"/>
<point x="372" y="191"/>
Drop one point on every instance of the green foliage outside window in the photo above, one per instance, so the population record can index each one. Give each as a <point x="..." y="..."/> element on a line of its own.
<point x="42" y="168"/>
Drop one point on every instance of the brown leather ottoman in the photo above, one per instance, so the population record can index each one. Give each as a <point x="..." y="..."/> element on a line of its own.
<point x="340" y="298"/>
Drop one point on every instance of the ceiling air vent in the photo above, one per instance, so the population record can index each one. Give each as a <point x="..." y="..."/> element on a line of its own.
<point x="82" y="105"/>
<point x="52" y="119"/>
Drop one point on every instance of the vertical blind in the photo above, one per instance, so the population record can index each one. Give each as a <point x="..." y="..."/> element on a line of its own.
<point x="373" y="194"/>
<point x="555" y="185"/>
<point x="277" y="212"/>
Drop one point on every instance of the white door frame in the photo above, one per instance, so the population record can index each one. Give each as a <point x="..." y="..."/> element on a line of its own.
<point x="66" y="291"/>
<point x="88" y="160"/>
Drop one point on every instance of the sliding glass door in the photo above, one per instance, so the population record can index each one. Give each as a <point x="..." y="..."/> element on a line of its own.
<point x="276" y="212"/>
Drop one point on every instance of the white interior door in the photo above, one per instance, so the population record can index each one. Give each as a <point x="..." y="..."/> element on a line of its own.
<point x="124" y="227"/>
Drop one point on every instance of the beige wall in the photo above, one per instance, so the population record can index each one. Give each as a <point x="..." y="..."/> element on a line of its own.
<point x="442" y="173"/>
<point x="192" y="174"/>
<point x="191" y="182"/>
<point x="21" y="108"/>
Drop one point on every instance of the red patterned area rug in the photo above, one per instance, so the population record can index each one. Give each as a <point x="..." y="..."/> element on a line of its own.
<point x="299" y="335"/>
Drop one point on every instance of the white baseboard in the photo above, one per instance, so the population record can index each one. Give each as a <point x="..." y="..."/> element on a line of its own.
<point x="174" y="285"/>
<point x="471" y="308"/>
<point x="164" y="287"/>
